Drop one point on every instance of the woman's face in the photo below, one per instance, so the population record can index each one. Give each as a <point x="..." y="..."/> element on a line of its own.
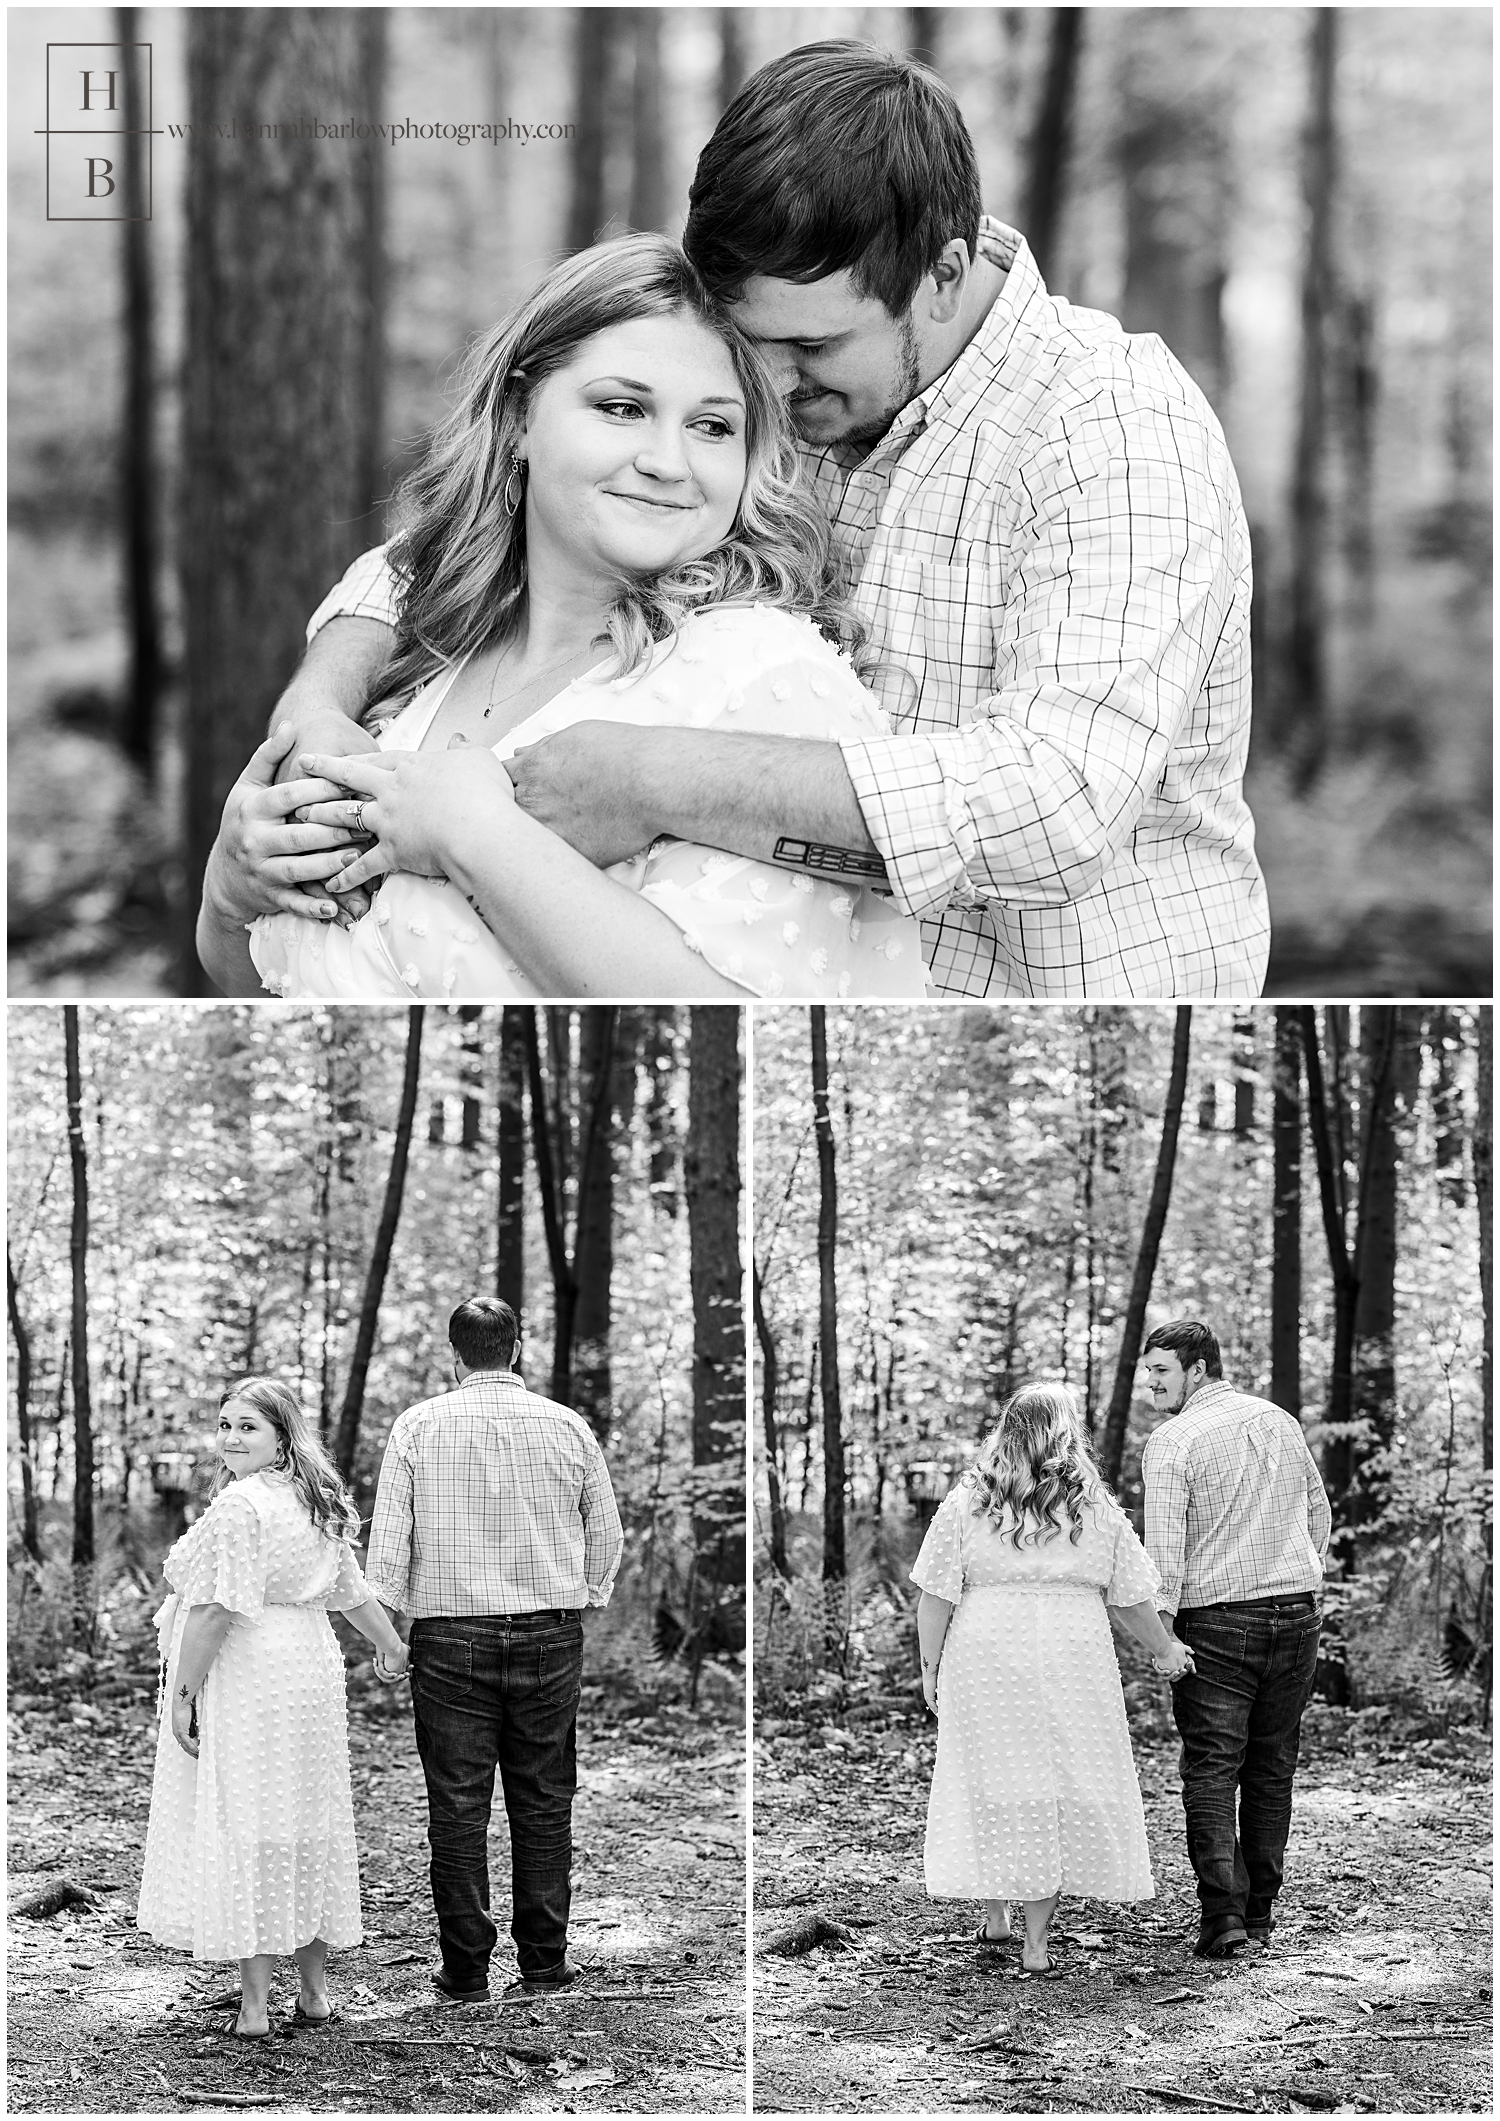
<point x="635" y="453"/>
<point x="247" y="1440"/>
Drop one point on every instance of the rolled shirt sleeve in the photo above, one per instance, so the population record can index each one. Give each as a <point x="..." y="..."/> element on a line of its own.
<point x="1319" y="1515"/>
<point x="366" y="590"/>
<point x="1164" y="1472"/>
<point x="388" y="1563"/>
<point x="603" y="1538"/>
<point x="1119" y="583"/>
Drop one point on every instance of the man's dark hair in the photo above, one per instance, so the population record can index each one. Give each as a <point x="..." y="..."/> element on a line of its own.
<point x="484" y="1332"/>
<point x="835" y="156"/>
<point x="1190" y="1341"/>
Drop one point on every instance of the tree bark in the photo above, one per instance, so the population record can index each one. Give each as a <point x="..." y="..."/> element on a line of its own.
<point x="1047" y="149"/>
<point x="593" y="51"/>
<point x="30" y="1541"/>
<point x="385" y="1237"/>
<point x="648" y="181"/>
<point x="732" y="59"/>
<point x="834" y="1564"/>
<point x="1304" y="709"/>
<point x="550" y="1170"/>
<point x="510" y="1263"/>
<point x="1323" y="1123"/>
<point x="711" y="1172"/>
<point x="1445" y="1040"/>
<point x="282" y="365"/>
<point x="1286" y="1217"/>
<point x="78" y="1249"/>
<point x="142" y="526"/>
<point x="1484" y="1121"/>
<point x="1112" y="1448"/>
<point x="768" y="1383"/>
<point x="1388" y="1057"/>
<point x="593" y="1242"/>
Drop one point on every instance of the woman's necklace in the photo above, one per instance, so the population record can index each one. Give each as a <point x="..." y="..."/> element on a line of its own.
<point x="516" y="691"/>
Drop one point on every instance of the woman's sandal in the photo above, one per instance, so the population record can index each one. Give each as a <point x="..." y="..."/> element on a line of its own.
<point x="986" y="1942"/>
<point x="301" y="2017"/>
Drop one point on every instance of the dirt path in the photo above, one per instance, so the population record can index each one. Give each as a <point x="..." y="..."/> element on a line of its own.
<point x="102" y="2020"/>
<point x="1373" y="1997"/>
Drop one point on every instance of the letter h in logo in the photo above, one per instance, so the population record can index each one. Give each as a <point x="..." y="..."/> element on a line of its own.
<point x="91" y="111"/>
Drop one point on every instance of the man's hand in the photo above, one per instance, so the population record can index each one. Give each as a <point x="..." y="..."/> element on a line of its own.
<point x="393" y="1669"/>
<point x="578" y="784"/>
<point x="420" y="805"/>
<point x="321" y="729"/>
<point x="260" y="858"/>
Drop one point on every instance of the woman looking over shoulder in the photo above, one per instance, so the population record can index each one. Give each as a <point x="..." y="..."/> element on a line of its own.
<point x="250" y="1848"/>
<point x="609" y="527"/>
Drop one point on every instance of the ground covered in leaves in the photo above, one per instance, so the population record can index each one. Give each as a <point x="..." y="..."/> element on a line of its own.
<point x="102" y="2020"/>
<point x="1374" y="1995"/>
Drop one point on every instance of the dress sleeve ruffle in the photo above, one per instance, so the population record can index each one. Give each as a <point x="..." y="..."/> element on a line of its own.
<point x="224" y="1560"/>
<point x="939" y="1567"/>
<point x="1134" y="1576"/>
<point x="349" y="1588"/>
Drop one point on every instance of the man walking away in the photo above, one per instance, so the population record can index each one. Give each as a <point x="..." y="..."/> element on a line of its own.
<point x="1237" y="1523"/>
<point x="495" y="1524"/>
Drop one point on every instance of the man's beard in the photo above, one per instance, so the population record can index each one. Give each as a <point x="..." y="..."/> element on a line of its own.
<point x="869" y="432"/>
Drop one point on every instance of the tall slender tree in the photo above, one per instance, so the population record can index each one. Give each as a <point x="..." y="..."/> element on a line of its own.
<point x="834" y="1479"/>
<point x="142" y="525"/>
<point x="30" y="1538"/>
<point x="510" y="1251"/>
<point x="1051" y="136"/>
<point x="711" y="1182"/>
<point x="593" y="1244"/>
<point x="768" y="1384"/>
<point x="1286" y="1216"/>
<point x="1303" y="716"/>
<point x="78" y="1257"/>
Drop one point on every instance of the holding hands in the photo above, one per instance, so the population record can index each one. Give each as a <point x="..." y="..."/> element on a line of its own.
<point x="419" y="806"/>
<point x="263" y="859"/>
<point x="185" y="1722"/>
<point x="1176" y="1663"/>
<point x="392" y="1666"/>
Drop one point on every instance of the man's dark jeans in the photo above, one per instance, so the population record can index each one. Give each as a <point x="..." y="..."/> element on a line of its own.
<point x="499" y="1691"/>
<point x="1239" y="1720"/>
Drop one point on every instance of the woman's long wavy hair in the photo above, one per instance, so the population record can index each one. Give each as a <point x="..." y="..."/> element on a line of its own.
<point x="1035" y="1463"/>
<point x="460" y="559"/>
<point x="298" y="1453"/>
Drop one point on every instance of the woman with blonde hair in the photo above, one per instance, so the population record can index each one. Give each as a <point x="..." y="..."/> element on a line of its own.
<point x="250" y="1846"/>
<point x="1034" y="1793"/>
<point x="610" y="527"/>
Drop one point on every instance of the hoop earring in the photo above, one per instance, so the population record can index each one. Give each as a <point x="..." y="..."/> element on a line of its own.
<point x="516" y="478"/>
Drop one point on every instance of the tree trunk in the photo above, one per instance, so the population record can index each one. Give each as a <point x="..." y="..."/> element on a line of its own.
<point x="1484" y="1120"/>
<point x="1244" y="1077"/>
<point x="732" y="60"/>
<point x="834" y="1567"/>
<point x="1304" y="710"/>
<point x="1047" y="149"/>
<point x="510" y="1257"/>
<point x="711" y="1171"/>
<point x="30" y="1541"/>
<point x="1445" y="1040"/>
<point x="549" y="1172"/>
<point x="78" y="1251"/>
<point x="282" y="369"/>
<point x="1388" y="1055"/>
<point x="1112" y="1449"/>
<point x="593" y="50"/>
<point x="1286" y="1217"/>
<point x="471" y="1075"/>
<point x="1337" y="1456"/>
<point x="924" y="31"/>
<point x="593" y="1243"/>
<point x="648" y="179"/>
<point x="768" y="1381"/>
<point x="142" y="526"/>
<point x="380" y="1259"/>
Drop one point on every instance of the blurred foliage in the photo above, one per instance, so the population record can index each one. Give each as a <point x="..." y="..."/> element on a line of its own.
<point x="1183" y="176"/>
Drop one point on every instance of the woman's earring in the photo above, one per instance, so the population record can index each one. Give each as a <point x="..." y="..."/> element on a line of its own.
<point x="515" y="486"/>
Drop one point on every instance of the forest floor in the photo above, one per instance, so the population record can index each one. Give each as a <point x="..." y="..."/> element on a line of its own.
<point x="1373" y="1996"/>
<point x="103" y="2020"/>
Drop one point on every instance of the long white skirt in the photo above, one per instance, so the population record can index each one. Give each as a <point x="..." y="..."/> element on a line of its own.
<point x="250" y="1847"/>
<point x="1035" y="1788"/>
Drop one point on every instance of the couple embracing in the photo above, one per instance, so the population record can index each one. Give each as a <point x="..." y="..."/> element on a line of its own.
<point x="495" y="1525"/>
<point x="1035" y="1793"/>
<point x="816" y="609"/>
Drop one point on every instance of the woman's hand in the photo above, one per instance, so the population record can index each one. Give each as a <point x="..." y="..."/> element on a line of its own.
<point x="182" y="1722"/>
<point x="391" y="1666"/>
<point x="422" y="807"/>
<point x="1177" y="1663"/>
<point x="929" y="1689"/>
<point x="260" y="857"/>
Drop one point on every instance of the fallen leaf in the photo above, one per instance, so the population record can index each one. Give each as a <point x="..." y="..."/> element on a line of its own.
<point x="578" y="2080"/>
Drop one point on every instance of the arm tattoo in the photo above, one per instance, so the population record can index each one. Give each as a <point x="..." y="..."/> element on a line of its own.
<point x="831" y="861"/>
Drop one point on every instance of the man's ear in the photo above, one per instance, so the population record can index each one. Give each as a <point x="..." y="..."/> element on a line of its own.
<point x="950" y="278"/>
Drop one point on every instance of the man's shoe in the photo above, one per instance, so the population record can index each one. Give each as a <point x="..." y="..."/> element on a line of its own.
<point x="563" y="1975"/>
<point x="1258" y="1928"/>
<point x="450" y="1992"/>
<point x="1221" y="1939"/>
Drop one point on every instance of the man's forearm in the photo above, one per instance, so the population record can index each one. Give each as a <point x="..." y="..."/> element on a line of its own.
<point x="334" y="676"/>
<point x="787" y="800"/>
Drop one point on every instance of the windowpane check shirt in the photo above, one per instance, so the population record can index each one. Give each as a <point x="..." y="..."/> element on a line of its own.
<point x="492" y="1500"/>
<point x="1054" y="568"/>
<point x="1234" y="1507"/>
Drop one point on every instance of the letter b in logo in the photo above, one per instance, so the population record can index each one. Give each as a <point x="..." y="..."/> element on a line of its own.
<point x="101" y="183"/>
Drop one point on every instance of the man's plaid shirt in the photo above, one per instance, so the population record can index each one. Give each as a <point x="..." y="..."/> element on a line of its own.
<point x="1054" y="566"/>
<point x="1235" y="1510"/>
<point x="492" y="1500"/>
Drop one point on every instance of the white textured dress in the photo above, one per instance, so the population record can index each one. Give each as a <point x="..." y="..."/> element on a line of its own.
<point x="772" y="931"/>
<point x="250" y="1847"/>
<point x="1035" y="1789"/>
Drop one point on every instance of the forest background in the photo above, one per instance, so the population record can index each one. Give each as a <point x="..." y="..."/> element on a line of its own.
<point x="951" y="1203"/>
<point x="1297" y="200"/>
